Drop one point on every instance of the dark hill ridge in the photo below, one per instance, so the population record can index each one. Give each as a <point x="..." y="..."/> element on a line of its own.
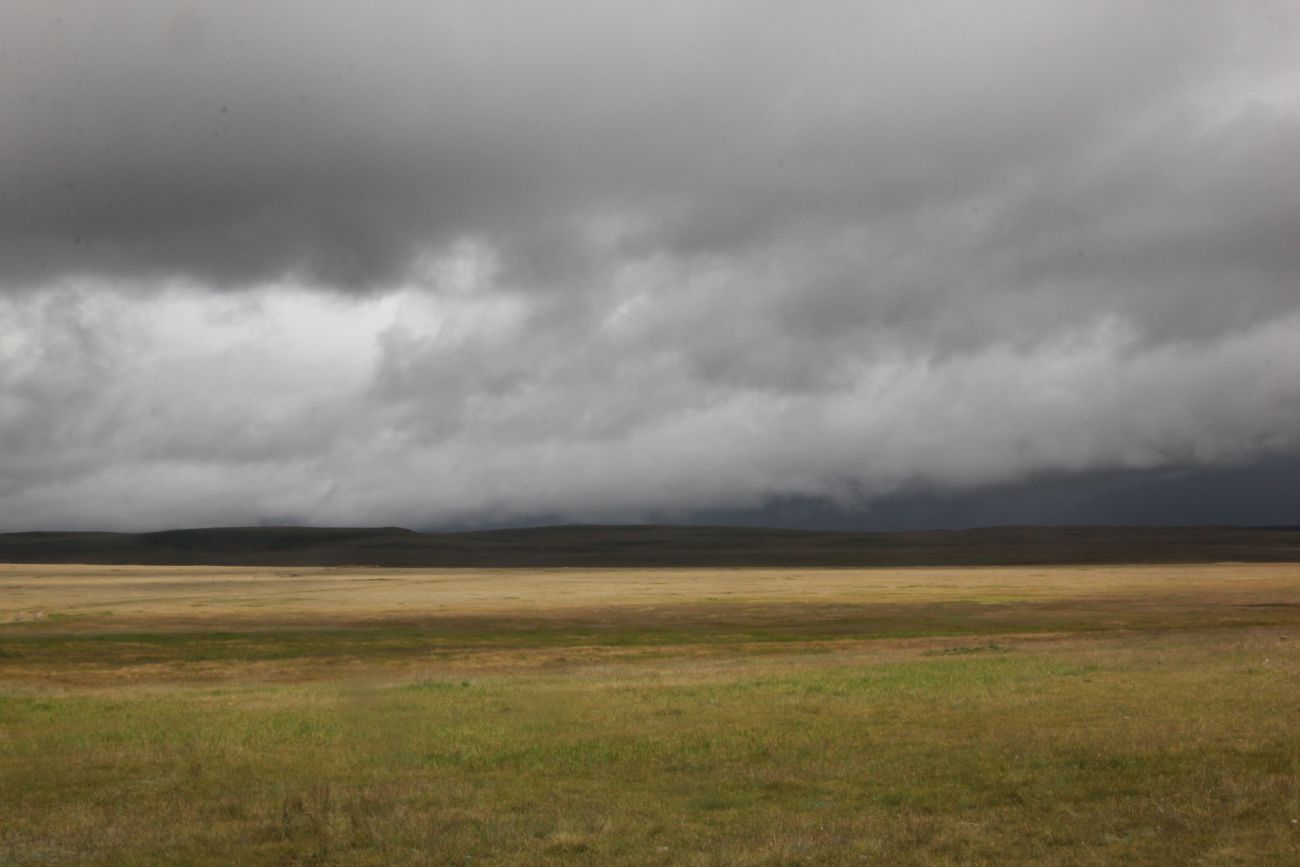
<point x="646" y="545"/>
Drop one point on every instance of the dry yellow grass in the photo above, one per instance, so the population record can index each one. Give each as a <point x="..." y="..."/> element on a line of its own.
<point x="34" y="592"/>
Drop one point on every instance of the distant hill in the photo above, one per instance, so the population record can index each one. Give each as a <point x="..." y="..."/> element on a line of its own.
<point x="641" y="545"/>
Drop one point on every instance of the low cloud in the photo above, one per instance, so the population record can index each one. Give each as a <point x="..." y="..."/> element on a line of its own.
<point x="433" y="412"/>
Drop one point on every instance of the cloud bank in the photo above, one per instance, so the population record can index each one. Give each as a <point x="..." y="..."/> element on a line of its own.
<point x="473" y="263"/>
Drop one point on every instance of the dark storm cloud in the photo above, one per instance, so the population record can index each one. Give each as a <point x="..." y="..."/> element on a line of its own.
<point x="419" y="263"/>
<point x="237" y="143"/>
<point x="1263" y="494"/>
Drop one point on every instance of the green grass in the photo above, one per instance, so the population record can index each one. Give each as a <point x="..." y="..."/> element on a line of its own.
<point x="1094" y="730"/>
<point x="45" y="646"/>
<point x="1180" y="750"/>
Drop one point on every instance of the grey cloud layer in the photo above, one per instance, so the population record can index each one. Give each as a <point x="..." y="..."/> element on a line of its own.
<point x="640" y="259"/>
<point x="435" y="411"/>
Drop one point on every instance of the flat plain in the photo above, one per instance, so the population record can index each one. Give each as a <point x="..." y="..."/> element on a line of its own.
<point x="983" y="715"/>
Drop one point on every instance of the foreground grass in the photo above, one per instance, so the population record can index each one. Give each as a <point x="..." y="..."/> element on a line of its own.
<point x="1073" y="736"/>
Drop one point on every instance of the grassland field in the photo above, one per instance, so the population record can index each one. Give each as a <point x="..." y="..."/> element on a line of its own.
<point x="280" y="716"/>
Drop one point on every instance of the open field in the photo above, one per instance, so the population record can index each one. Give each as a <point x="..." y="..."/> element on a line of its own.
<point x="1031" y="715"/>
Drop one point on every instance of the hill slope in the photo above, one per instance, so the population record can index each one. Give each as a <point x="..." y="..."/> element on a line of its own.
<point x="628" y="546"/>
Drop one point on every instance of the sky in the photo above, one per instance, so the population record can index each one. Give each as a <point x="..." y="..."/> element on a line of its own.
<point x="870" y="265"/>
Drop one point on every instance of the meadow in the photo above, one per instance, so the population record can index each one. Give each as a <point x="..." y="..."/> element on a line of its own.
<point x="1019" y="715"/>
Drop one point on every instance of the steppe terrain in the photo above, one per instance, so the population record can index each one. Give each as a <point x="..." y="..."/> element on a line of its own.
<point x="1089" y="714"/>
